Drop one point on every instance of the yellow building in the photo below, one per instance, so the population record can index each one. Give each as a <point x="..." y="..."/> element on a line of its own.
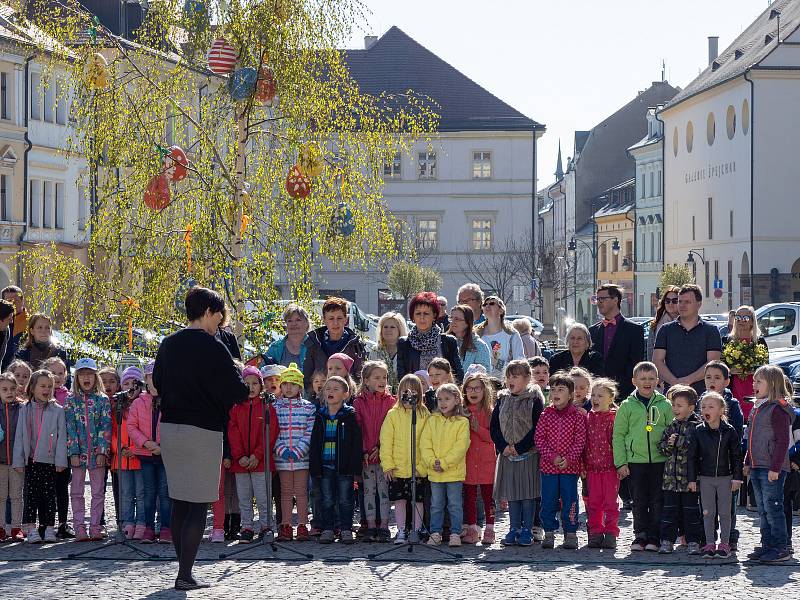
<point x="615" y="221"/>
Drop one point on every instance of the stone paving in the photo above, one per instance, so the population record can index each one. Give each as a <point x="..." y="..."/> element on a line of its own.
<point x="48" y="571"/>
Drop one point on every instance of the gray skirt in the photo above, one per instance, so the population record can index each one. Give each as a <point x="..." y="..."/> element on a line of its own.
<point x="192" y="457"/>
<point x="517" y="480"/>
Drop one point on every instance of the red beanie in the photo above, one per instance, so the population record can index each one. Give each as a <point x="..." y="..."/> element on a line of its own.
<point x="346" y="360"/>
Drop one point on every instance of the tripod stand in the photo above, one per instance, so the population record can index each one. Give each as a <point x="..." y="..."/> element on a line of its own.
<point x="119" y="536"/>
<point x="268" y="539"/>
<point x="411" y="399"/>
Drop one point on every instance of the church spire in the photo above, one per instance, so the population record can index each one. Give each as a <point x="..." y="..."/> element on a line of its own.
<point x="559" y="168"/>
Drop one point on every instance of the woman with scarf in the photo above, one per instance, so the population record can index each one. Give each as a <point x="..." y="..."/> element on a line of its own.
<point x="39" y="346"/>
<point x="426" y="341"/>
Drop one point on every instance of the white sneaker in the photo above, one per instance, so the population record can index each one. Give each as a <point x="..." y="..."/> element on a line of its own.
<point x="50" y="535"/>
<point x="400" y="538"/>
<point x="455" y="540"/>
<point x="538" y="534"/>
<point x="436" y="539"/>
<point x="33" y="536"/>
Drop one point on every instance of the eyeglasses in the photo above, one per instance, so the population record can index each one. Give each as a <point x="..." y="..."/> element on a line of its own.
<point x="467" y="300"/>
<point x="745" y="318"/>
<point x="474" y="388"/>
<point x="671" y="300"/>
<point x="602" y="298"/>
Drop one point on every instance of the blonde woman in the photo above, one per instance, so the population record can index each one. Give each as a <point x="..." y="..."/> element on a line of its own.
<point x="391" y="327"/>
<point x="503" y="340"/>
<point x="745" y="329"/>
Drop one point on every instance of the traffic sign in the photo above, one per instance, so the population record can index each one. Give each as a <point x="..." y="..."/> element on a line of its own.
<point x="718" y="284"/>
<point x="717" y="293"/>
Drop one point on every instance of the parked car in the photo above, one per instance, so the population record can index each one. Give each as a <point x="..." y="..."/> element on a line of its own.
<point x="780" y="324"/>
<point x="794" y="376"/>
<point x="785" y="358"/>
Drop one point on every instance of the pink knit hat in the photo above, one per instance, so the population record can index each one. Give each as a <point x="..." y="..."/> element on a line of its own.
<point x="346" y="360"/>
<point x="251" y="370"/>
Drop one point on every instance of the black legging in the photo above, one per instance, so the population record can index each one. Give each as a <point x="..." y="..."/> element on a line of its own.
<point x="187" y="526"/>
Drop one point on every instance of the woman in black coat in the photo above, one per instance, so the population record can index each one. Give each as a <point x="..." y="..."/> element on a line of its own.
<point x="426" y="341"/>
<point x="577" y="353"/>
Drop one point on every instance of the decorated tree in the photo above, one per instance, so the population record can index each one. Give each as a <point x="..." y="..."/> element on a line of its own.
<point x="226" y="145"/>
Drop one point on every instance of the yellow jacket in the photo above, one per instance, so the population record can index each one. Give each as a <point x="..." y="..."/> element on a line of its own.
<point x="445" y="439"/>
<point x="396" y="441"/>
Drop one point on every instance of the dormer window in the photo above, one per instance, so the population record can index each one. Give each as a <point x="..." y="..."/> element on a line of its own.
<point x="715" y="65"/>
<point x="737" y="55"/>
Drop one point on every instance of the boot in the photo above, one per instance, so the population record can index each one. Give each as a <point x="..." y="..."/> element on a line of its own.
<point x="227" y="525"/>
<point x="235" y="527"/>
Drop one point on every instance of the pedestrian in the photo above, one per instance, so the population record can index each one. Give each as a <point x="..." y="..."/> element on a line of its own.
<point x="540" y="370"/>
<point x="340" y="365"/>
<point x="6" y="322"/>
<point x="19" y="323"/>
<point x="38" y="345"/>
<point x="128" y="489"/>
<point x="745" y="330"/>
<point x="22" y="373"/>
<point x="681" y="504"/>
<point x="439" y="373"/>
<point x="598" y="459"/>
<point x="373" y="402"/>
<point x="530" y="344"/>
<point x="88" y="425"/>
<point x="715" y="459"/>
<point x="56" y="366"/>
<point x="560" y="439"/>
<point x="291" y="348"/>
<point x="40" y="450"/>
<point x="444" y="444"/>
<point x="578" y="353"/>
<point x="583" y="388"/>
<point x="766" y="462"/>
<point x="479" y="402"/>
<point x="513" y="425"/>
<point x="666" y="312"/>
<point x="471" y="348"/>
<point x="791" y="487"/>
<point x="505" y="343"/>
<point x="391" y="327"/>
<point x="335" y="459"/>
<point x="10" y="480"/>
<point x="471" y="294"/>
<point x="395" y="454"/>
<point x="442" y="320"/>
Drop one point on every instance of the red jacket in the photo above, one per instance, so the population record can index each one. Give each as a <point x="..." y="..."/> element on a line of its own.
<point x="246" y="434"/>
<point x="481" y="455"/>
<point x="128" y="464"/>
<point x="371" y="410"/>
<point x="598" y="455"/>
<point x="561" y="433"/>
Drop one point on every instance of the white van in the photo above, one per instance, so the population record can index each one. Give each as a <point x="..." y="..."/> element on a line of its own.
<point x="780" y="324"/>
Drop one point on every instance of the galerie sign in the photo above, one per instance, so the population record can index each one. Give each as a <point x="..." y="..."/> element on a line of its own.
<point x="712" y="171"/>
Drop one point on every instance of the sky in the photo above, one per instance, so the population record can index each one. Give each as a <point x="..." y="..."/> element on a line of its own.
<point x="566" y="63"/>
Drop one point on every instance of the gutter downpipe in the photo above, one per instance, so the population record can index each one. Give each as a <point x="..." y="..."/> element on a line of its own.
<point x="25" y="184"/>
<point x="752" y="187"/>
<point x="663" y="186"/>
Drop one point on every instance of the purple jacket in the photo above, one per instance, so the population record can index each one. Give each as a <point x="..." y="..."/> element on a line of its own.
<point x="768" y="434"/>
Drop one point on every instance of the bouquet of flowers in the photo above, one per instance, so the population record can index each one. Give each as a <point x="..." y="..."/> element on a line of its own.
<point x="744" y="357"/>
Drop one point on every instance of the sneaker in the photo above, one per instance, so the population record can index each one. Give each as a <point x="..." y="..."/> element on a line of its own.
<point x="435" y="539"/>
<point x="734" y="546"/>
<point x="80" y="534"/>
<point x="33" y="535"/>
<point x="638" y="546"/>
<point x="488" y="537"/>
<point x="693" y="549"/>
<point x="773" y="555"/>
<point x="50" y="535"/>
<point x="511" y="538"/>
<point x="65" y="532"/>
<point x="217" y="536"/>
<point x="302" y="534"/>
<point x="17" y="535"/>
<point x="165" y="536"/>
<point x="525" y="537"/>
<point x="246" y="536"/>
<point x="370" y="535"/>
<point x="723" y="551"/>
<point x="757" y="553"/>
<point x="570" y="541"/>
<point x="129" y="530"/>
<point x="666" y="547"/>
<point x="285" y="533"/>
<point x="472" y="536"/>
<point x="609" y="541"/>
<point x="400" y="538"/>
<point x="383" y="536"/>
<point x="326" y="537"/>
<point x="595" y="541"/>
<point x="138" y="532"/>
<point x="538" y="534"/>
<point x="709" y="550"/>
<point x="149" y="536"/>
<point x="455" y="540"/>
<point x="549" y="541"/>
<point x="651" y="547"/>
<point x="414" y="537"/>
<point x="347" y="537"/>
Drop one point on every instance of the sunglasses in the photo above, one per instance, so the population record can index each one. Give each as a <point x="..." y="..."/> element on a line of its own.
<point x="490" y="303"/>
<point x="745" y="318"/>
<point x="671" y="300"/>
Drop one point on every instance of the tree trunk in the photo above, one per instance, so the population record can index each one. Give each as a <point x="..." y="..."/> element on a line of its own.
<point x="236" y="246"/>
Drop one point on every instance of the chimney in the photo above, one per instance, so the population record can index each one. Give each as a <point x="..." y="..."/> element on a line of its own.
<point x="713" y="48"/>
<point x="370" y="41"/>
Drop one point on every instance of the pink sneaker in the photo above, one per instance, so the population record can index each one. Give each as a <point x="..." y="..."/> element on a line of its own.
<point x="217" y="536"/>
<point x="96" y="533"/>
<point x="165" y="536"/>
<point x="149" y="536"/>
<point x="138" y="533"/>
<point x="80" y="533"/>
<point x="128" y="530"/>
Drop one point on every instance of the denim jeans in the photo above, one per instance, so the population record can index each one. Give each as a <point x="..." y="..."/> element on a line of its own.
<point x="563" y="488"/>
<point x="520" y="513"/>
<point x="337" y="491"/>
<point x="131" y="498"/>
<point x="769" y="499"/>
<point x="154" y="488"/>
<point x="447" y="494"/>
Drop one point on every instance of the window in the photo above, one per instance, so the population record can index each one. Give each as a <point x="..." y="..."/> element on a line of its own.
<point x="169" y="128"/>
<point x="427" y="165"/>
<point x="711" y="129"/>
<point x="652" y="186"/>
<point x="5" y="200"/>
<point x="49" y="102"/>
<point x="716" y="269"/>
<point x="707" y="278"/>
<point x="47" y="216"/>
<point x="603" y="258"/>
<point x="658" y="246"/>
<point x="641" y="192"/>
<point x="36" y="98"/>
<point x="730" y="285"/>
<point x="481" y="165"/>
<point x="392" y="170"/>
<point x="652" y="246"/>
<point x="60" y="200"/>
<point x="4" y="95"/>
<point x="642" y="248"/>
<point x="693" y="230"/>
<point x="775" y="322"/>
<point x="629" y="253"/>
<point x="658" y="192"/>
<point x="83" y="206"/>
<point x="61" y="102"/>
<point x="731" y="223"/>
<point x="711" y="218"/>
<point x="481" y="234"/>
<point x="427" y="234"/>
<point x="689" y="137"/>
<point x="35" y="203"/>
<point x="730" y="122"/>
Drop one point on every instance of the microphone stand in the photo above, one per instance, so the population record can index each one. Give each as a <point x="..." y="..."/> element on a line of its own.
<point x="119" y="536"/>
<point x="268" y="539"/>
<point x="412" y="540"/>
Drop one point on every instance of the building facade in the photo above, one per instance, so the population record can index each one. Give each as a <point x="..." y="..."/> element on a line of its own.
<point x="614" y="241"/>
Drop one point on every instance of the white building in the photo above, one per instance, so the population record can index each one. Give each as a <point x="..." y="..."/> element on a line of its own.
<point x="731" y="177"/>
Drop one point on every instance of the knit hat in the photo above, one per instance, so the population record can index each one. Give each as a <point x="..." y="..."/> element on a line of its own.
<point x="292" y="375"/>
<point x="272" y="371"/>
<point x="149" y="367"/>
<point x="474" y="369"/>
<point x="346" y="360"/>
<point x="250" y="370"/>
<point x="131" y="373"/>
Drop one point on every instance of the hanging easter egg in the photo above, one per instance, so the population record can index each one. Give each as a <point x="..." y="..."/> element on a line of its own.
<point x="343" y="220"/>
<point x="221" y="57"/>
<point x="266" y="86"/>
<point x="242" y="83"/>
<point x="297" y="184"/>
<point x="156" y="196"/>
<point x="96" y="71"/>
<point x="176" y="164"/>
<point x="310" y="159"/>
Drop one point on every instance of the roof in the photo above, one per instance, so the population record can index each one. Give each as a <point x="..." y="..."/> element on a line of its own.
<point x="752" y="46"/>
<point x="646" y="141"/>
<point x="396" y="63"/>
<point x="586" y="230"/>
<point x="611" y="209"/>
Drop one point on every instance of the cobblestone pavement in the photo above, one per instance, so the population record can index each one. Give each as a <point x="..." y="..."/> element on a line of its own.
<point x="47" y="571"/>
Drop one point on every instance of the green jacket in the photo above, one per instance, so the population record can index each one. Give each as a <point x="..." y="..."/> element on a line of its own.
<point x="632" y="441"/>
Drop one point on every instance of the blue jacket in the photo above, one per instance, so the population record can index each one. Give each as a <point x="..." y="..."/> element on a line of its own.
<point x="275" y="350"/>
<point x="480" y="356"/>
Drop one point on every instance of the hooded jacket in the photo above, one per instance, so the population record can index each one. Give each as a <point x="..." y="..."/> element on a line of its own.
<point x="88" y="423"/>
<point x="9" y="417"/>
<point x="295" y="418"/>
<point x="396" y="441"/>
<point x="561" y="433"/>
<point x="317" y="360"/>
<point x="768" y="436"/>
<point x="144" y="424"/>
<point x="676" y="467"/>
<point x="348" y="442"/>
<point x="632" y="441"/>
<point x="246" y="429"/>
<point x="41" y="435"/>
<point x="371" y="410"/>
<point x="445" y="439"/>
<point x="715" y="452"/>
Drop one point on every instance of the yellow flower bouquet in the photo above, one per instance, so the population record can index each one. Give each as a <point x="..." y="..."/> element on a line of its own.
<point x="744" y="357"/>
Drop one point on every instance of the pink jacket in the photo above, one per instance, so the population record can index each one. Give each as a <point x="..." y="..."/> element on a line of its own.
<point x="598" y="455"/>
<point x="371" y="410"/>
<point x="140" y="424"/>
<point x="561" y="433"/>
<point x="60" y="394"/>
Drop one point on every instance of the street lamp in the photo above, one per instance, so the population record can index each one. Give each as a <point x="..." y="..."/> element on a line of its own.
<point x="699" y="253"/>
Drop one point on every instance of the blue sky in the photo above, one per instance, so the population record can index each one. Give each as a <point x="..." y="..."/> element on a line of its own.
<point x="566" y="63"/>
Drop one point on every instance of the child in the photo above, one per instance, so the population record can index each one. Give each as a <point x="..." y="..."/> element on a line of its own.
<point x="124" y="463"/>
<point x="640" y="421"/>
<point x="481" y="458"/>
<point x="439" y="372"/>
<point x="295" y="423"/>
<point x="144" y="428"/>
<point x="40" y="450"/>
<point x="250" y="451"/>
<point x="336" y="451"/>
<point x="272" y="379"/>
<point x="59" y="370"/>
<point x="372" y="404"/>
<point x="317" y="381"/>
<point x="583" y="386"/>
<point x="272" y="390"/>
<point x="395" y="455"/>
<point x="111" y="381"/>
<point x="560" y="438"/>
<point x="10" y="480"/>
<point x="601" y="475"/>
<point x="540" y="370"/>
<point x="444" y="444"/>
<point x="767" y="459"/>
<point x="63" y="480"/>
<point x="715" y="457"/>
<point x="514" y="421"/>
<point x="22" y="373"/>
<point x="340" y="364"/>
<point x="88" y="425"/>
<point x="681" y="504"/>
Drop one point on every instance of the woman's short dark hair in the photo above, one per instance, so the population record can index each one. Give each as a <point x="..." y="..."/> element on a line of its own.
<point x="6" y="309"/>
<point x="199" y="300"/>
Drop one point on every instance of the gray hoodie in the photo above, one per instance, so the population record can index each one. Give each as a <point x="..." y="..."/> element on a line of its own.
<point x="52" y="437"/>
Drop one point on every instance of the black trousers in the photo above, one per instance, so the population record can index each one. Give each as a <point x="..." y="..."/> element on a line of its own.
<point x="62" y="494"/>
<point x="681" y="511"/>
<point x="645" y="486"/>
<point x="39" y="494"/>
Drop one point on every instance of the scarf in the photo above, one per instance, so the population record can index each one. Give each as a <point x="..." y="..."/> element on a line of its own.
<point x="427" y="344"/>
<point x="516" y="414"/>
<point x="41" y="352"/>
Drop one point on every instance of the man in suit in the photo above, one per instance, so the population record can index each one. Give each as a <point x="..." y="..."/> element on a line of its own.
<point x="619" y="341"/>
